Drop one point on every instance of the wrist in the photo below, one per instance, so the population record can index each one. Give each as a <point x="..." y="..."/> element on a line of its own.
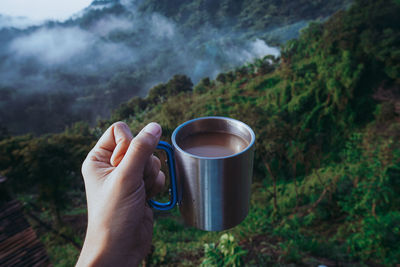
<point x="93" y="250"/>
<point x="100" y="250"/>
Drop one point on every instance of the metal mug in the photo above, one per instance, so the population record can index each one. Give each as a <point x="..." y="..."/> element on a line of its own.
<point x="213" y="193"/>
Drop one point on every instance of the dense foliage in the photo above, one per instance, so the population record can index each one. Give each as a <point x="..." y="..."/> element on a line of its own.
<point x="327" y="168"/>
<point x="246" y="15"/>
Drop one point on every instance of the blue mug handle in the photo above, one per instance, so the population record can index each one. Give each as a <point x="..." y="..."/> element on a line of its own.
<point x="171" y="167"/>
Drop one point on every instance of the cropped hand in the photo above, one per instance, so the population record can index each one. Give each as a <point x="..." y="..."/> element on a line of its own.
<point x="120" y="175"/>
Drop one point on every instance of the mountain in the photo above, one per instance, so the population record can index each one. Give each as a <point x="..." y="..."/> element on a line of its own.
<point x="244" y="16"/>
<point x="57" y="73"/>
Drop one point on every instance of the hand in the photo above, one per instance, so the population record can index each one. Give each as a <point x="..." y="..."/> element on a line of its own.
<point x="120" y="174"/>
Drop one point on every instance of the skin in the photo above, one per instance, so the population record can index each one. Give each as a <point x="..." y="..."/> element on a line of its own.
<point x="120" y="175"/>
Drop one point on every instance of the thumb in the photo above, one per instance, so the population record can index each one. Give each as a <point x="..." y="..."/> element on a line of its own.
<point x="139" y="151"/>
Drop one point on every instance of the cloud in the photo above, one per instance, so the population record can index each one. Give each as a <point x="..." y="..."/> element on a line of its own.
<point x="115" y="53"/>
<point x="74" y="49"/>
<point x="151" y="42"/>
<point x="54" y="46"/>
<point x="161" y="26"/>
<point x="248" y="52"/>
<point x="110" y="24"/>
<point x="17" y="22"/>
<point x="259" y="48"/>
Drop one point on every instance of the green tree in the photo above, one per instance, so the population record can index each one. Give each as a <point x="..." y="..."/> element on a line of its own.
<point x="157" y="94"/>
<point x="178" y="84"/>
<point x="48" y="166"/>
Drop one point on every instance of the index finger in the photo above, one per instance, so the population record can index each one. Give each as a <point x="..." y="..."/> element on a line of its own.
<point x="103" y="151"/>
<point x="114" y="134"/>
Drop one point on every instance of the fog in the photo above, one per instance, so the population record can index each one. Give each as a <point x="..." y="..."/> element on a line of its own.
<point x="17" y="22"/>
<point x="79" y="57"/>
<point x="52" y="47"/>
<point x="95" y="49"/>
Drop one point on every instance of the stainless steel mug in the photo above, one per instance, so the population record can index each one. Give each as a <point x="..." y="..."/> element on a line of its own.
<point x="213" y="193"/>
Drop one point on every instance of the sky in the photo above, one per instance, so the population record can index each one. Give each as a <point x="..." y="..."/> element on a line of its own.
<point x="42" y="9"/>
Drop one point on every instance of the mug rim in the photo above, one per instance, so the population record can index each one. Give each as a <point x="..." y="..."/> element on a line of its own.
<point x="177" y="129"/>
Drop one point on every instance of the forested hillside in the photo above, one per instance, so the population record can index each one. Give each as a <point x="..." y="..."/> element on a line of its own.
<point x="82" y="68"/>
<point x="326" y="188"/>
<point x="245" y="16"/>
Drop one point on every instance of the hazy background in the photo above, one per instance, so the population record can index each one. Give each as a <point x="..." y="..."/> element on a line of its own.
<point x="59" y="65"/>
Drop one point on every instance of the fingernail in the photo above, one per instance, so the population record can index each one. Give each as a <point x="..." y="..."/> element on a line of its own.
<point x="153" y="129"/>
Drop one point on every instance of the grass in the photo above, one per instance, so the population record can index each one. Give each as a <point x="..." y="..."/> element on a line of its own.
<point x="61" y="254"/>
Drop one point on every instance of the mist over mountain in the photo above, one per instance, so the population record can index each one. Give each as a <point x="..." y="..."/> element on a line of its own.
<point x="57" y="73"/>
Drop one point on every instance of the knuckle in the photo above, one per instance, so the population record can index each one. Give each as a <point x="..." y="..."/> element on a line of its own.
<point x="120" y="125"/>
<point x="122" y="133"/>
<point x="161" y="179"/>
<point x="156" y="163"/>
<point x="144" y="144"/>
<point x="90" y="159"/>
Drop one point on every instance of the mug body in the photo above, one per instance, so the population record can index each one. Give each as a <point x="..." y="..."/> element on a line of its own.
<point x="213" y="192"/>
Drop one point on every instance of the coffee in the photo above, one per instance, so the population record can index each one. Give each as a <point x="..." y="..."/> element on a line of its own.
<point x="213" y="144"/>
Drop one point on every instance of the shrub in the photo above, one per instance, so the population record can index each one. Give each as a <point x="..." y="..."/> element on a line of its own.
<point x="226" y="253"/>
